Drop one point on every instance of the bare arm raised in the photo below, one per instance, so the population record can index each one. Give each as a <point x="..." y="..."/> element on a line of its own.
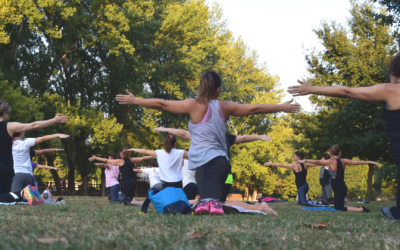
<point x="348" y="162"/>
<point x="184" y="134"/>
<point x="251" y="138"/>
<point x="140" y="159"/>
<point x="47" y="151"/>
<point x="49" y="137"/>
<point x="117" y="162"/>
<point x="15" y="127"/>
<point x="48" y="167"/>
<point x="288" y="166"/>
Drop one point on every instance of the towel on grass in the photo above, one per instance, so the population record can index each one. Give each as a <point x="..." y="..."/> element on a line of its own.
<point x="14" y="203"/>
<point x="320" y="209"/>
<point x="239" y="210"/>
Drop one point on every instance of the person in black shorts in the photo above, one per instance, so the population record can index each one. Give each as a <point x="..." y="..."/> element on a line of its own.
<point x="337" y="166"/>
<point x="388" y="94"/>
<point x="126" y="169"/>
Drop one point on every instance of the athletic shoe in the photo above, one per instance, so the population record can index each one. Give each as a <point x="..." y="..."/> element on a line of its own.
<point x="202" y="207"/>
<point x="216" y="207"/>
<point x="360" y="201"/>
<point x="387" y="212"/>
<point x="365" y="209"/>
<point x="37" y="195"/>
<point x="29" y="195"/>
<point x="366" y="200"/>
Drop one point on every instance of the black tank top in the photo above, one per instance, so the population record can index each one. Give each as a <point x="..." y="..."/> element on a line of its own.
<point x="6" y="158"/>
<point x="301" y="176"/>
<point x="339" y="170"/>
<point x="392" y="122"/>
<point x="127" y="170"/>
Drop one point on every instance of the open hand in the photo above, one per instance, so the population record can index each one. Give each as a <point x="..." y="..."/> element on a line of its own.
<point x="268" y="164"/>
<point x="60" y="119"/>
<point x="59" y="149"/>
<point x="63" y="136"/>
<point x="265" y="138"/>
<point x="300" y="90"/>
<point x="128" y="99"/>
<point x="375" y="163"/>
<point x="288" y="107"/>
<point x="57" y="169"/>
<point x="160" y="129"/>
<point x="92" y="158"/>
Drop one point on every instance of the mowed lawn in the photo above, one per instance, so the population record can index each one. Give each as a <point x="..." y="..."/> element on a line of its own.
<point x="93" y="223"/>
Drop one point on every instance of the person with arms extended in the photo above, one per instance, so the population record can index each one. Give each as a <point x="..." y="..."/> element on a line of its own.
<point x="7" y="130"/>
<point x="336" y="170"/>
<point x="325" y="180"/>
<point x="111" y="172"/>
<point x="207" y="126"/>
<point x="126" y="168"/>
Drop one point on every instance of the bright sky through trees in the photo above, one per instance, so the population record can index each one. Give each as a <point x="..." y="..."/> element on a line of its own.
<point x="277" y="30"/>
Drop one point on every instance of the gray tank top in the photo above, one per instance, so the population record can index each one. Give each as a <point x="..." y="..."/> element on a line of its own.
<point x="207" y="139"/>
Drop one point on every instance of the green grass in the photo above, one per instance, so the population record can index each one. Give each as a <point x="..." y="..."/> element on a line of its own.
<point x="93" y="223"/>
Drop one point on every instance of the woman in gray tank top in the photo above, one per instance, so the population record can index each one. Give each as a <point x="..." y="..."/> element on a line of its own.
<point x="207" y="126"/>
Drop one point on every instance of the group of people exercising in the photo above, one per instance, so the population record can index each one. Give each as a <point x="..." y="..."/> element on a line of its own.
<point x="209" y="155"/>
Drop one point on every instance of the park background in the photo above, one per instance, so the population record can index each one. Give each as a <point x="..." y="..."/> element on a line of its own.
<point x="73" y="57"/>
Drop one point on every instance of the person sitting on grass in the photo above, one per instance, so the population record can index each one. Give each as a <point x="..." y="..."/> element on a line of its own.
<point x="126" y="168"/>
<point x="336" y="170"/>
<point x="111" y="172"/>
<point x="300" y="172"/>
<point x="169" y="161"/>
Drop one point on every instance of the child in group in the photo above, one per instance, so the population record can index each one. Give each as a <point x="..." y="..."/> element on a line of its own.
<point x="111" y="172"/>
<point x="153" y="173"/>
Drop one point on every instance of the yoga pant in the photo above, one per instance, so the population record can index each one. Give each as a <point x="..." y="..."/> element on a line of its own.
<point x="177" y="184"/>
<point x="327" y="192"/>
<point x="6" y="179"/>
<point x="114" y="192"/>
<point x="20" y="181"/>
<point x="10" y="197"/>
<point x="340" y="192"/>
<point x="227" y="188"/>
<point x="191" y="190"/>
<point x="302" y="192"/>
<point x="211" y="178"/>
<point x="157" y="186"/>
<point x="129" y="186"/>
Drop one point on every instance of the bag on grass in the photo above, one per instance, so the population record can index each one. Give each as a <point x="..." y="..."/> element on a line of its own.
<point x="169" y="200"/>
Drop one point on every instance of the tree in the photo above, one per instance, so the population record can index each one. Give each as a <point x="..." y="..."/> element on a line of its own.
<point x="354" y="56"/>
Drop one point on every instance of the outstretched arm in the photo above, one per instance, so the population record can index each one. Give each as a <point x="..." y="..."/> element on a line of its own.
<point x="288" y="166"/>
<point x="175" y="107"/>
<point x="184" y="134"/>
<point x="137" y="170"/>
<point x="47" y="151"/>
<point x="102" y="165"/>
<point x="235" y="109"/>
<point x="251" y="138"/>
<point x="117" y="162"/>
<point x="49" y="137"/>
<point x="47" y="167"/>
<point x="330" y="163"/>
<point x="15" y="127"/>
<point x="348" y="162"/>
<point x="376" y="93"/>
<point x="140" y="159"/>
<point x="143" y="151"/>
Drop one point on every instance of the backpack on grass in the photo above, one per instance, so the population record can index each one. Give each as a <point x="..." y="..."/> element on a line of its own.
<point x="169" y="200"/>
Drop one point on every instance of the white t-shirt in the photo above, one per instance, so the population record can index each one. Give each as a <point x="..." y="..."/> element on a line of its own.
<point x="188" y="174"/>
<point x="153" y="174"/>
<point x="170" y="165"/>
<point x="21" y="157"/>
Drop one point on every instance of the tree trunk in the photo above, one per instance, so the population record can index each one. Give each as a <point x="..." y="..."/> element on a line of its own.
<point x="16" y="46"/>
<point x="246" y="194"/>
<point x="50" y="161"/>
<point x="71" y="167"/>
<point x="84" y="184"/>
<point x="369" y="182"/>
<point x="103" y="183"/>
<point x="254" y="196"/>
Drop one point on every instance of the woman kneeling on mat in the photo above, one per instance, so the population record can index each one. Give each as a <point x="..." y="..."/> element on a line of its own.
<point x="336" y="170"/>
<point x="126" y="168"/>
<point x="300" y="172"/>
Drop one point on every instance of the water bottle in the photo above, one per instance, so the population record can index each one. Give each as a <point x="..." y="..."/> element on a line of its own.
<point x="120" y="195"/>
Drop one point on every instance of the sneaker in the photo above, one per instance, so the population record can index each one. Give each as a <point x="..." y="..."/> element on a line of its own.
<point x="366" y="200"/>
<point x="216" y="207"/>
<point x="37" y="195"/>
<point x="202" y="207"/>
<point x="365" y="209"/>
<point x="360" y="201"/>
<point x="389" y="213"/>
<point x="29" y="195"/>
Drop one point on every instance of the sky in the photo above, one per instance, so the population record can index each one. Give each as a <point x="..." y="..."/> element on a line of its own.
<point x="280" y="31"/>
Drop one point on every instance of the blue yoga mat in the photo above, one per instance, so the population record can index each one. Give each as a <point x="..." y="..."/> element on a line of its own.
<point x="320" y="209"/>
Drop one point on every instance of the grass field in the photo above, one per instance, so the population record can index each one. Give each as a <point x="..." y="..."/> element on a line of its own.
<point x="93" y="223"/>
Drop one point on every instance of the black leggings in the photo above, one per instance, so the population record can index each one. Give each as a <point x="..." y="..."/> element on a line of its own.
<point x="191" y="190"/>
<point x="340" y="191"/>
<point x="211" y="178"/>
<point x="128" y="187"/>
<point x="6" y="179"/>
<point x="227" y="188"/>
<point x="177" y="184"/>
